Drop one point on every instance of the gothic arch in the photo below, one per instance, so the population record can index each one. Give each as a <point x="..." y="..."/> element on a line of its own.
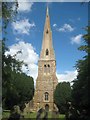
<point x="46" y="96"/>
<point x="47" y="52"/>
<point x="45" y="68"/>
<point x="48" y="68"/>
<point x="47" y="107"/>
<point x="48" y="65"/>
<point x="47" y="31"/>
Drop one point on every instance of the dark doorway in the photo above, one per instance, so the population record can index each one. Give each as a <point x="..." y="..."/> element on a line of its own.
<point x="47" y="107"/>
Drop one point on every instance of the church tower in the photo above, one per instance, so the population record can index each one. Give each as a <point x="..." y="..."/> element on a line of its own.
<point x="46" y="81"/>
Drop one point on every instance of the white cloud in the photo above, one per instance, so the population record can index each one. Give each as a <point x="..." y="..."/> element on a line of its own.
<point x="27" y="55"/>
<point x="18" y="39"/>
<point x="76" y="39"/>
<point x="30" y="57"/>
<point x="24" y="6"/>
<point x="54" y="25"/>
<point x="68" y="76"/>
<point x="65" y="28"/>
<point x="23" y="26"/>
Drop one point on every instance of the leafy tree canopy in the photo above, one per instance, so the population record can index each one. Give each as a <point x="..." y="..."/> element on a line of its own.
<point x="17" y="87"/>
<point x="62" y="95"/>
<point x="21" y="90"/>
<point x="80" y="86"/>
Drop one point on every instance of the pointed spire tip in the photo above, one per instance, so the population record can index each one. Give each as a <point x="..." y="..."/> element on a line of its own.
<point x="47" y="10"/>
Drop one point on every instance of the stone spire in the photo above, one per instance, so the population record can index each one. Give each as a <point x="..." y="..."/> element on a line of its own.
<point x="47" y="52"/>
<point x="47" y="22"/>
<point x="46" y="80"/>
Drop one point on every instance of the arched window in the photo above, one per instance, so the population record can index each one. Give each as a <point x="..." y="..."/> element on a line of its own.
<point x="47" y="31"/>
<point x="48" y="68"/>
<point x="47" y="52"/>
<point x="46" y="96"/>
<point x="45" y="68"/>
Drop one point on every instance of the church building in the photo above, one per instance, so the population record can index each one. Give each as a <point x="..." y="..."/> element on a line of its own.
<point x="46" y="81"/>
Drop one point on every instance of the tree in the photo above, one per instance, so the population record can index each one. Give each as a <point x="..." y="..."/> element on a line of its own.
<point x="8" y="13"/>
<point x="8" y="63"/>
<point x="21" y="90"/>
<point x="80" y="86"/>
<point x="17" y="87"/>
<point x="62" y="95"/>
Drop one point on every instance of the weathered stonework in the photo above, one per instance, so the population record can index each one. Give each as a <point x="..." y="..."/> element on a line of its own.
<point x="46" y="81"/>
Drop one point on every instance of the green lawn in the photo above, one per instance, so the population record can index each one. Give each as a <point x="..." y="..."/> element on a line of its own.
<point x="32" y="115"/>
<point x="6" y="113"/>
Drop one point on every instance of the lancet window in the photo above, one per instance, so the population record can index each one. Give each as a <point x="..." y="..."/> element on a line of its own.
<point x="47" y="31"/>
<point x="46" y="96"/>
<point x="47" y="52"/>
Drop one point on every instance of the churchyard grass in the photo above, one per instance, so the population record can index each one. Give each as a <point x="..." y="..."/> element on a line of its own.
<point x="6" y="114"/>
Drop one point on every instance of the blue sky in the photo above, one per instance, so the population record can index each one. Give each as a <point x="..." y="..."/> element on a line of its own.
<point x="68" y="21"/>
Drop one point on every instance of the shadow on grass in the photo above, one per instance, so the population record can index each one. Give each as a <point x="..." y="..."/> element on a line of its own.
<point x="32" y="116"/>
<point x="35" y="119"/>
